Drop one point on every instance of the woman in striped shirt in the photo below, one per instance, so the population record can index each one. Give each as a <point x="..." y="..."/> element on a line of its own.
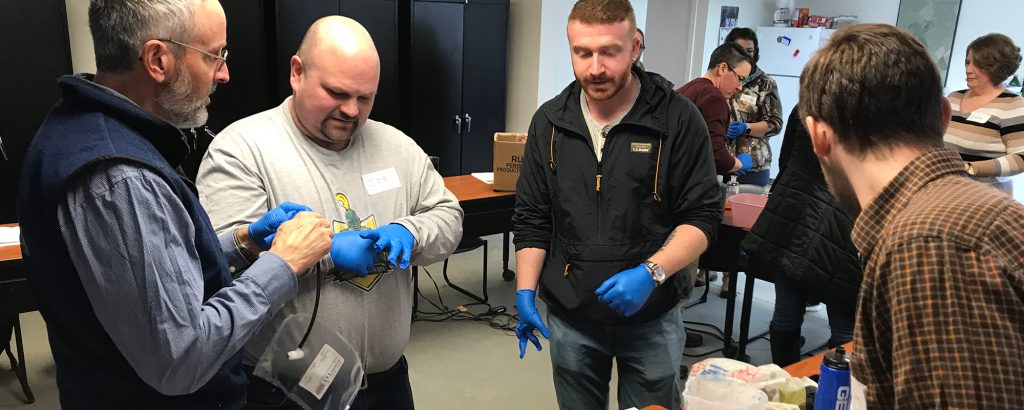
<point x="987" y="127"/>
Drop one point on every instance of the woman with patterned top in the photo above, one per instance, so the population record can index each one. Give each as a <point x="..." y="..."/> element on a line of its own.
<point x="756" y="112"/>
<point x="987" y="127"/>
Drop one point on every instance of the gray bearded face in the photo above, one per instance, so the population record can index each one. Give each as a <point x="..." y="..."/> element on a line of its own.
<point x="184" y="104"/>
<point x="839" y="183"/>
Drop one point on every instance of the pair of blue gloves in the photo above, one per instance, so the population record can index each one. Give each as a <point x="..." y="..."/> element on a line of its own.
<point x="356" y="251"/>
<point x="736" y="130"/>
<point x="626" y="293"/>
<point x="353" y="251"/>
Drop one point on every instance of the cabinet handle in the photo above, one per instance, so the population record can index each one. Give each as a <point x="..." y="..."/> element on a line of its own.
<point x="469" y="122"/>
<point x="458" y="124"/>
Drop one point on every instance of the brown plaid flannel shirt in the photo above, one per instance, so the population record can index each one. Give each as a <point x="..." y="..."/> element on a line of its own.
<point x="940" y="319"/>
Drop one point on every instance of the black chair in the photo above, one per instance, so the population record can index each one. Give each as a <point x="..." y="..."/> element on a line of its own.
<point x="15" y="298"/>
<point x="466" y="245"/>
<point x="7" y="325"/>
<point x="725" y="256"/>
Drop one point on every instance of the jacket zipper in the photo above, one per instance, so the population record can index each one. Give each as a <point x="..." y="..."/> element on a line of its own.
<point x="597" y="187"/>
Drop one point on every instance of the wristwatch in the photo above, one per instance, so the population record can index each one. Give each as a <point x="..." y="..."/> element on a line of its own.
<point x="969" y="167"/>
<point x="657" y="272"/>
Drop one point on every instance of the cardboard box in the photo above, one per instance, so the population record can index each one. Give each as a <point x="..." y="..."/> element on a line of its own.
<point x="508" y="158"/>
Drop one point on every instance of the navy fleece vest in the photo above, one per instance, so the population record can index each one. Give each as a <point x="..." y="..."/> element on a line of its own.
<point x="88" y="126"/>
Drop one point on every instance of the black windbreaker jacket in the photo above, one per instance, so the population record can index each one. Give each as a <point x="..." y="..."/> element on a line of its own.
<point x="596" y="219"/>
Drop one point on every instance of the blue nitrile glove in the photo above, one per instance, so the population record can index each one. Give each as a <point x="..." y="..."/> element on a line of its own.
<point x="529" y="319"/>
<point x="394" y="237"/>
<point x="737" y="129"/>
<point x="627" y="291"/>
<point x="747" y="162"/>
<point x="351" y="252"/>
<point x="262" y="229"/>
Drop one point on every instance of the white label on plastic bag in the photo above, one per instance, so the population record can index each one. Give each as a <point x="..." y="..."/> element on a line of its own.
<point x="858" y="391"/>
<point x="322" y="371"/>
<point x="979" y="117"/>
<point x="749" y="99"/>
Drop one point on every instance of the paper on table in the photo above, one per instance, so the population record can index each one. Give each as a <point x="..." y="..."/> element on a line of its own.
<point x="486" y="177"/>
<point x="9" y="235"/>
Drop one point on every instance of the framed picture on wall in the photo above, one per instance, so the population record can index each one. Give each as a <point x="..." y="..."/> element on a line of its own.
<point x="933" y="22"/>
<point x="730" y="14"/>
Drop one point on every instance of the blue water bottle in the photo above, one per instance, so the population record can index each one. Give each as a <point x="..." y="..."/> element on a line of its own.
<point x="834" y="382"/>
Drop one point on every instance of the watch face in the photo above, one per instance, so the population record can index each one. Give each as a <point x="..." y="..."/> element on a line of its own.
<point x="657" y="272"/>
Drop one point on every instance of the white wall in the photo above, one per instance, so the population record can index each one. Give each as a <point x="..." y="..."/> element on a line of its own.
<point x="669" y="38"/>
<point x="523" y="60"/>
<point x="83" y="58"/>
<point x="753" y="14"/>
<point x="555" y="69"/>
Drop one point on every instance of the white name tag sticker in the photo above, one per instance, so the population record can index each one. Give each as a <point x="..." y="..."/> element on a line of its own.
<point x="858" y="399"/>
<point x="979" y="117"/>
<point x="749" y="99"/>
<point x="322" y="371"/>
<point x="381" y="181"/>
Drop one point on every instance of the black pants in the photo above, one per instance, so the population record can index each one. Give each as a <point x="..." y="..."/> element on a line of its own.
<point x="387" y="390"/>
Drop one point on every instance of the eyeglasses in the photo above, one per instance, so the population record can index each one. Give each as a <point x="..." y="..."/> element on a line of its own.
<point x="743" y="78"/>
<point x="221" y="59"/>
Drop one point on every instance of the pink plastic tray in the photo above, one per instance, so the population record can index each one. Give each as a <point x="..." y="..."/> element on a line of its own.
<point x="746" y="208"/>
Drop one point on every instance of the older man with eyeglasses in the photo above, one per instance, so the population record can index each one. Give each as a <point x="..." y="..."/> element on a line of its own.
<point x="727" y="71"/>
<point x="145" y="306"/>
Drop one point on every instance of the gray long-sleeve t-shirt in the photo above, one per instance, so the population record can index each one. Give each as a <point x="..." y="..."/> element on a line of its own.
<point x="382" y="177"/>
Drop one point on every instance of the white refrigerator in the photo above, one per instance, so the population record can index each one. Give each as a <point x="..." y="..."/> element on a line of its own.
<point x="783" y="53"/>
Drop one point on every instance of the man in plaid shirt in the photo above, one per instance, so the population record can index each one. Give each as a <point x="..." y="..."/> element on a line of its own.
<point x="940" y="321"/>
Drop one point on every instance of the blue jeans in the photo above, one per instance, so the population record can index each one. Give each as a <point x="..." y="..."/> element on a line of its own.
<point x="647" y="356"/>
<point x="390" y="392"/>
<point x="759" y="178"/>
<point x="790" y="306"/>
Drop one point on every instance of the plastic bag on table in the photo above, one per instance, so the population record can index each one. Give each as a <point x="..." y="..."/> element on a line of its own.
<point x="713" y="389"/>
<point x="326" y="375"/>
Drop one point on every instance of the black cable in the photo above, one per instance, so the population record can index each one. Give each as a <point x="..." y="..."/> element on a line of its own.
<point x="708" y="353"/>
<point x="720" y="339"/>
<point x="497" y="317"/>
<point x="718" y="329"/>
<point x="316" y="306"/>
<point x="716" y="336"/>
<point x="719" y="334"/>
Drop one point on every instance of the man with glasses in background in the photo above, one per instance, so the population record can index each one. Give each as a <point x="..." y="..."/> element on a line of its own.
<point x="727" y="71"/>
<point x="145" y="306"/>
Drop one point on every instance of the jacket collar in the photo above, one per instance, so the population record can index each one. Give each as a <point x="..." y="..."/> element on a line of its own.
<point x="876" y="216"/>
<point x="168" y="140"/>
<point x="753" y="77"/>
<point x="648" y="111"/>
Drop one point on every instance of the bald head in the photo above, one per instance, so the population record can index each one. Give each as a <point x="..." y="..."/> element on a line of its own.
<point x="338" y="37"/>
<point x="334" y="78"/>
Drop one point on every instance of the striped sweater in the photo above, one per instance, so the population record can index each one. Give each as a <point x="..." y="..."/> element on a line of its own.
<point x="990" y="137"/>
